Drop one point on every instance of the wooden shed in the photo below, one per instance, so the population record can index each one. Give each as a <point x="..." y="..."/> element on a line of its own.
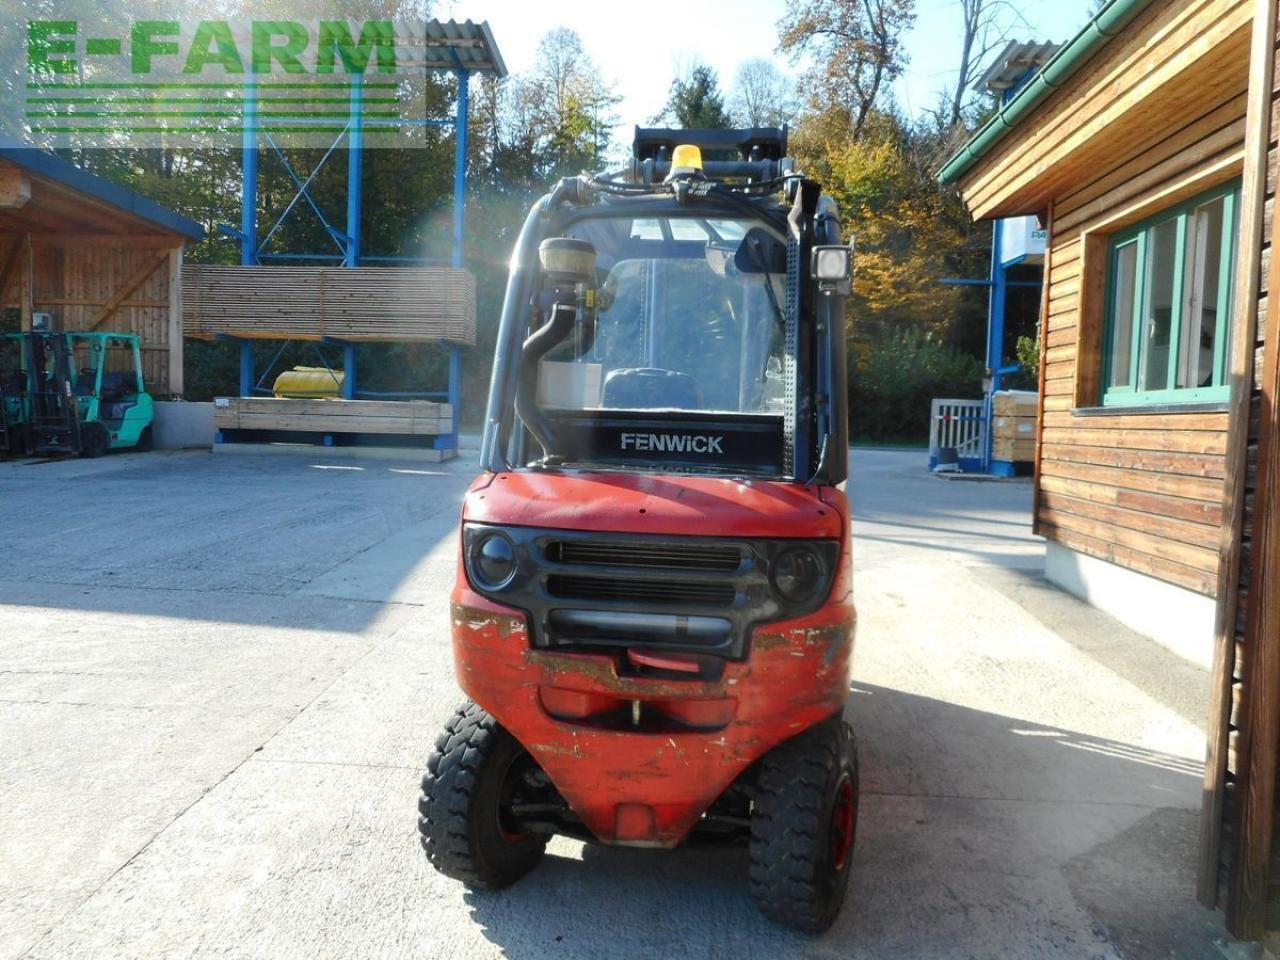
<point x="1148" y="148"/>
<point x="94" y="255"/>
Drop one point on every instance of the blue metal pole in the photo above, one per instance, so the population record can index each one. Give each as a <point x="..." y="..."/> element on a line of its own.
<point x="455" y="381"/>
<point x="995" y="319"/>
<point x="355" y="170"/>
<point x="246" y="368"/>
<point x="348" y="370"/>
<point x="460" y="164"/>
<point x="995" y="333"/>
<point x="249" y="173"/>
<point x="449" y="441"/>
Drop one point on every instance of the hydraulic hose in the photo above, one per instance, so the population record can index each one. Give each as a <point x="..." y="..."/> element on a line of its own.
<point x="537" y="346"/>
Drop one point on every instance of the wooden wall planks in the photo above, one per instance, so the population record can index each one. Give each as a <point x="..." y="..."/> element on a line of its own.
<point x="1237" y="846"/>
<point x="79" y="280"/>
<point x="1148" y="482"/>
<point x="1238" y="836"/>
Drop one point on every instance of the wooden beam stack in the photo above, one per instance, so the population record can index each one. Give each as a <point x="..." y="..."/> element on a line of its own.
<point x="308" y="303"/>
<point x="417" y="418"/>
<point x="1013" y="437"/>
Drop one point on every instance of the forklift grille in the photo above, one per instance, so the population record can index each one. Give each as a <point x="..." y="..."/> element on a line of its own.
<point x="681" y="556"/>
<point x="588" y="590"/>
<point x="698" y="593"/>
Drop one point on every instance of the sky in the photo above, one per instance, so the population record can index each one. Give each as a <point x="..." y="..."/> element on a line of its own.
<point x="640" y="49"/>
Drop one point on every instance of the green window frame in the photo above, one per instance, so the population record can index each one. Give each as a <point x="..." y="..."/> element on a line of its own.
<point x="1145" y="343"/>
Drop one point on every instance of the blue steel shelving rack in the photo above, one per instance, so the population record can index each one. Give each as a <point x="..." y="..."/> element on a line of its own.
<point x="1011" y="70"/>
<point x="462" y="49"/>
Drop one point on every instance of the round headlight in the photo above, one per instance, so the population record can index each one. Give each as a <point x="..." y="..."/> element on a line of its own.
<point x="797" y="574"/>
<point x="493" y="561"/>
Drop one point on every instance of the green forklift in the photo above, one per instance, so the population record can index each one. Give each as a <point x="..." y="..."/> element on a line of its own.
<point x="13" y="394"/>
<point x="75" y="393"/>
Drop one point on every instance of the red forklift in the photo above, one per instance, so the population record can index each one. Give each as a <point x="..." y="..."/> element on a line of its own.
<point x="653" y="615"/>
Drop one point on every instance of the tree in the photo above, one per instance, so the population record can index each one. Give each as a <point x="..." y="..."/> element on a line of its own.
<point x="985" y="28"/>
<point x="762" y="96"/>
<point x="568" y="103"/>
<point x="856" y="49"/>
<point x="695" y="100"/>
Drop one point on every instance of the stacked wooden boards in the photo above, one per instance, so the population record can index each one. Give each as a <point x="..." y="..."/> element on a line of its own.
<point x="1013" y="426"/>
<point x="255" y="416"/>
<point x="309" y="303"/>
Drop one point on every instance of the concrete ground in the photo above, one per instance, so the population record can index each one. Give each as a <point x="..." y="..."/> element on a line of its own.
<point x="220" y="677"/>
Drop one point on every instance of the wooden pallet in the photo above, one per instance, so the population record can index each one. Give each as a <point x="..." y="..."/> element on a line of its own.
<point x="406" y="418"/>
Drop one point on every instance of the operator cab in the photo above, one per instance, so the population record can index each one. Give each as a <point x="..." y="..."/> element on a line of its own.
<point x="678" y="326"/>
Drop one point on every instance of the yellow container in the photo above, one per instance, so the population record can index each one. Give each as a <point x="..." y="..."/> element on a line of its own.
<point x="304" y="382"/>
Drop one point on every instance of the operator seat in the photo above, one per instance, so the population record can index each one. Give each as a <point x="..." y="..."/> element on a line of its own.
<point x="651" y="388"/>
<point x="117" y="387"/>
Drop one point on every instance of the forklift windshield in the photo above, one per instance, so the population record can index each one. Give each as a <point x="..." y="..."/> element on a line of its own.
<point x="677" y="353"/>
<point x="687" y="317"/>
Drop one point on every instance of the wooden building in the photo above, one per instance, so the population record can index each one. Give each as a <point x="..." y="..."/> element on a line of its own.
<point x="1148" y="148"/>
<point x="94" y="255"/>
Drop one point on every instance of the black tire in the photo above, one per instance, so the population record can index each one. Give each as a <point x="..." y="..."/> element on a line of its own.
<point x="803" y="826"/>
<point x="146" y="441"/>
<point x="461" y="817"/>
<point x="94" y="440"/>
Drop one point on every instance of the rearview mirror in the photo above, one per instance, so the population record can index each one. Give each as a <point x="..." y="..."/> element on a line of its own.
<point x="760" y="252"/>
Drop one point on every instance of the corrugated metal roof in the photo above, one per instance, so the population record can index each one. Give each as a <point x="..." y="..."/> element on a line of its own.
<point x="1013" y="64"/>
<point x="449" y="45"/>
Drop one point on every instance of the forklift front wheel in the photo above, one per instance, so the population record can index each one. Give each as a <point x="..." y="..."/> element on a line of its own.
<point x="464" y="810"/>
<point x="803" y="825"/>
<point x="146" y="441"/>
<point x="94" y="440"/>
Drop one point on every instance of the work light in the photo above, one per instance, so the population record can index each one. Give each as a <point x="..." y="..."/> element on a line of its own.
<point x="832" y="267"/>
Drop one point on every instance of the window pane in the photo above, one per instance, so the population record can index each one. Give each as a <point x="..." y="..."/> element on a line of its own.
<point x="1200" y="294"/>
<point x="645" y="230"/>
<point x="1157" y="305"/>
<point x="687" y="230"/>
<point x="1122" y="295"/>
<point x="670" y="331"/>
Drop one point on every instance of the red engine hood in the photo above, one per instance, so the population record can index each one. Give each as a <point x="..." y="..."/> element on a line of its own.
<point x="672" y="504"/>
